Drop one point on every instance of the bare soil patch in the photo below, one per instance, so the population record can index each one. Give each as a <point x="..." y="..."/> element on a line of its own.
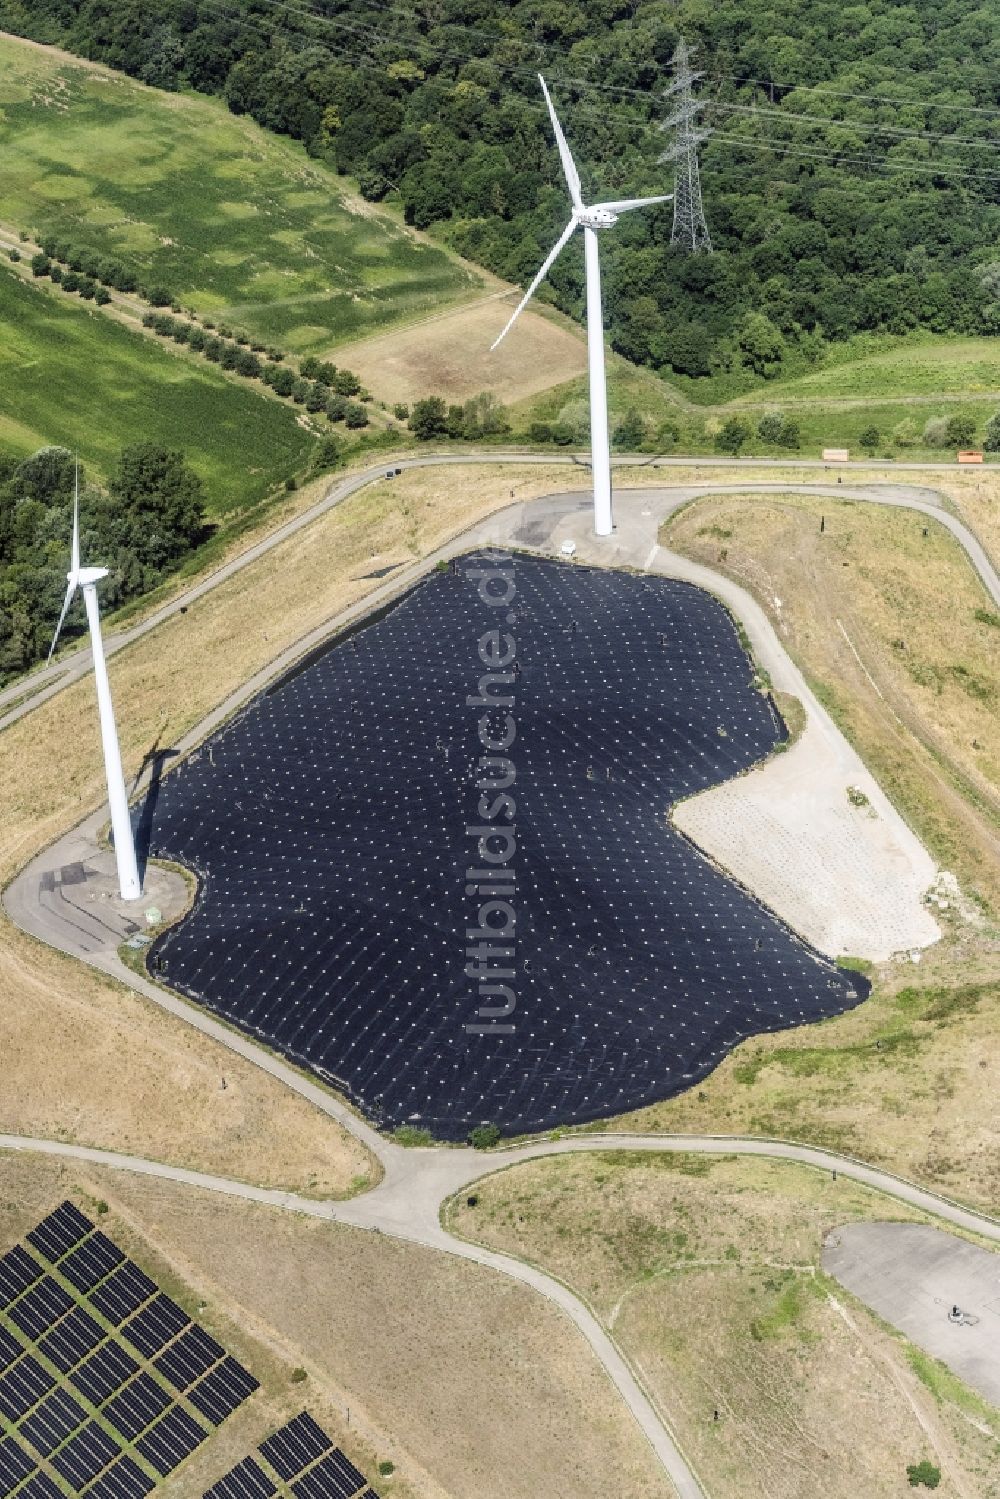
<point x="449" y="355"/>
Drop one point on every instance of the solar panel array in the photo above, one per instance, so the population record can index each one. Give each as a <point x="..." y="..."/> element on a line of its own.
<point x="106" y="1384"/>
<point x="335" y="820"/>
<point x="299" y="1461"/>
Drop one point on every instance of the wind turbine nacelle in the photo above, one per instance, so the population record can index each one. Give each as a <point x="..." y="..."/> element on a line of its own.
<point x="87" y="575"/>
<point x="597" y="218"/>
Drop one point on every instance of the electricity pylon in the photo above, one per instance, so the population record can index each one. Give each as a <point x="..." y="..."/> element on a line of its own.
<point x="690" y="230"/>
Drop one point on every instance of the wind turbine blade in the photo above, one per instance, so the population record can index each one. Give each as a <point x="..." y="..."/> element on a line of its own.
<point x="622" y="205"/>
<point x="70" y="590"/>
<point x="74" y="555"/>
<point x="546" y="266"/>
<point x="568" y="164"/>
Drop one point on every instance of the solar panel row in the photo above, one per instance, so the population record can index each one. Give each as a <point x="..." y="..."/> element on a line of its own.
<point x="53" y="1421"/>
<point x="246" y="1481"/>
<point x="192" y="1355"/>
<point x="15" y="1464"/>
<point x="124" y="1480"/>
<point x="137" y="1406"/>
<point x="170" y="1441"/>
<point x="18" y="1270"/>
<point x="71" y="1340"/>
<point x="296" y="1445"/>
<point x="40" y="1486"/>
<point x="95" y="1258"/>
<point x="84" y="1456"/>
<point x="333" y="1477"/>
<point x="59" y="1231"/>
<point x="10" y="1349"/>
<point x="123" y="1294"/>
<point x="222" y="1391"/>
<point x="36" y="1311"/>
<point x="154" y="1326"/>
<point x="103" y="1373"/>
<point x="22" y="1387"/>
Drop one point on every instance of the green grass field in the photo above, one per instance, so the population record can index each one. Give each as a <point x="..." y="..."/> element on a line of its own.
<point x="923" y="367"/>
<point x="73" y="377"/>
<point x="233" y="221"/>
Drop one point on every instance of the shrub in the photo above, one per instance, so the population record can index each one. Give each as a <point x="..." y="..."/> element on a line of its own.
<point x="180" y="332"/>
<point x="401" y="411"/>
<point x="936" y="432"/>
<point x="923" y="1473"/>
<point x="300" y="390"/>
<point x="329" y="453"/>
<point x="317" y="397"/>
<point x="14" y="255"/>
<point x="355" y="416"/>
<point x="283" y="382"/>
<point x="484" y="1136"/>
<point x="213" y="349"/>
<point x="869" y="438"/>
<point x="776" y="428"/>
<point x="88" y="288"/>
<point x="630" y="433"/>
<point x="71" y="281"/>
<point x="159" y="297"/>
<point x="248" y="364"/>
<point x="41" y="265"/>
<point x="906" y="434"/>
<point x="102" y="296"/>
<point x="428" y="418"/>
<point x="346" y="383"/>
<point x="960" y="431"/>
<point x="537" y="432"/>
<point x="57" y="274"/>
<point x="298" y="1375"/>
<point x="732" y="435"/>
<point x="336" y="408"/>
<point x="196" y="339"/>
<point x="385" y="1467"/>
<point x="229" y="356"/>
<point x="991" y="440"/>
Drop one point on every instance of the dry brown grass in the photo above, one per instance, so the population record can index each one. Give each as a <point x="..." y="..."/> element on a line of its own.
<point x="471" y="1384"/>
<point x="449" y="355"/>
<point x="707" y="1272"/>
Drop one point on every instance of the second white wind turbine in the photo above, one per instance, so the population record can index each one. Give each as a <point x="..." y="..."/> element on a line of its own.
<point x="597" y="216"/>
<point x="87" y="579"/>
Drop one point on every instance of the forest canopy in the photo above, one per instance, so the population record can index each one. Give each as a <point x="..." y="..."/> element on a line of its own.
<point x="852" y="182"/>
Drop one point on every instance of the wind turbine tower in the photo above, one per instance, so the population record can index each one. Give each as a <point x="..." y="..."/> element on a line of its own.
<point x="87" y="579"/>
<point x="598" y="216"/>
<point x="690" y="230"/>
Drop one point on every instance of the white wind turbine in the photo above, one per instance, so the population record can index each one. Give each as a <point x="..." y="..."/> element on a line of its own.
<point x="597" y="216"/>
<point x="87" y="579"/>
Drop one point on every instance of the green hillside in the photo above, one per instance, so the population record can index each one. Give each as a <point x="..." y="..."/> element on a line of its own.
<point x="74" y="378"/>
<point x="850" y="184"/>
<point x="232" y="221"/>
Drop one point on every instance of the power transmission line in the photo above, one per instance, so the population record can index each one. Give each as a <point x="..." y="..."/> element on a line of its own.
<point x="690" y="230"/>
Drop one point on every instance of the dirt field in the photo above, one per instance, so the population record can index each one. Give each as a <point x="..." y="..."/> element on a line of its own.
<point x="449" y="355"/>
<point x="473" y="1388"/>
<point x="707" y="1272"/>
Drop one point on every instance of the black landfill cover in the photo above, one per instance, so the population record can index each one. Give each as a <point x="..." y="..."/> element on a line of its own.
<point x="607" y="966"/>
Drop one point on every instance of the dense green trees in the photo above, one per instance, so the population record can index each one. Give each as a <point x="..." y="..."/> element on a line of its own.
<point x="150" y="516"/>
<point x="849" y="186"/>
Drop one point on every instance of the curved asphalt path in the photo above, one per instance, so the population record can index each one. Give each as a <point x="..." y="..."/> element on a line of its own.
<point x="27" y="693"/>
<point x="408" y="1201"/>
